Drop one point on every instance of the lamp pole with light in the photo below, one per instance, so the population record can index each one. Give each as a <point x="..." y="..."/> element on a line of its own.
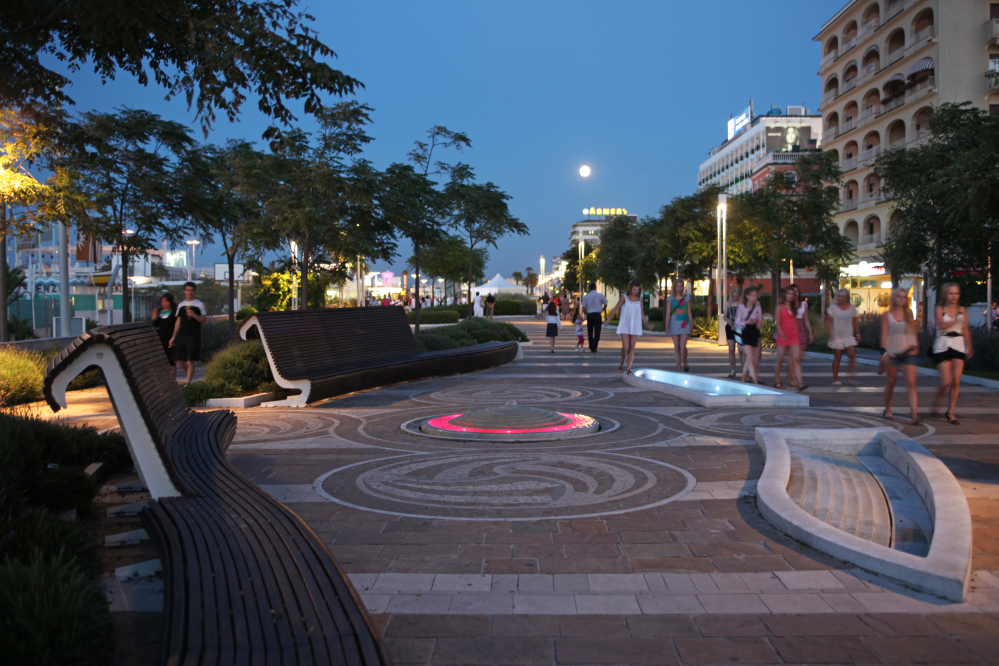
<point x="722" y="265"/>
<point x="193" y="245"/>
<point x="579" y="267"/>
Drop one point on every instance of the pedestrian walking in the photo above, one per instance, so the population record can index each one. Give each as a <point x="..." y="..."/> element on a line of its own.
<point x="577" y="319"/>
<point x="631" y="323"/>
<point x="554" y="320"/>
<point x="951" y="348"/>
<point x="992" y="317"/>
<point x="477" y="306"/>
<point x="490" y="306"/>
<point x="165" y="321"/>
<point x="901" y="348"/>
<point x="594" y="305"/>
<point x="844" y="331"/>
<point x="730" y="314"/>
<point x="748" y="319"/>
<point x="678" y="324"/>
<point x="186" y="340"/>
<point x="786" y="338"/>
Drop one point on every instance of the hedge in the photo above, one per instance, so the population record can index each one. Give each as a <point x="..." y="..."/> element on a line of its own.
<point x="434" y="316"/>
<point x="22" y="372"/>
<point x="241" y="368"/>
<point x="506" y="308"/>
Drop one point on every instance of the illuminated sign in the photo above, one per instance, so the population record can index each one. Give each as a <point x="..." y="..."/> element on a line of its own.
<point x="736" y="125"/>
<point x="605" y="211"/>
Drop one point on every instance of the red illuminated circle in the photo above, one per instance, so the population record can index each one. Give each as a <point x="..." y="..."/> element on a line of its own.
<point x="575" y="421"/>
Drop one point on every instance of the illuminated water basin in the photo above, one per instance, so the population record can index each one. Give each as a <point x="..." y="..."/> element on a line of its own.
<point x="710" y="392"/>
<point x="510" y="423"/>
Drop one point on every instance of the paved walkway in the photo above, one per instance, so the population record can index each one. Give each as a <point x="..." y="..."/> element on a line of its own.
<point x="640" y="544"/>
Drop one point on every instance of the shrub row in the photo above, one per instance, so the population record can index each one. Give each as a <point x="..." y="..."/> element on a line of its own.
<point x="467" y="333"/>
<point x="434" y="316"/>
<point x="239" y="369"/>
<point x="22" y="372"/>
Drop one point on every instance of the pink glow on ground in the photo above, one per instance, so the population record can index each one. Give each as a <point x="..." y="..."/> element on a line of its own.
<point x="444" y="423"/>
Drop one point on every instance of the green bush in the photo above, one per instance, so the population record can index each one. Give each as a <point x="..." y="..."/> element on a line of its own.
<point x="84" y="380"/>
<point x="986" y="347"/>
<point x="478" y="330"/>
<point x="214" y="338"/>
<point x="40" y="531"/>
<point x="655" y="314"/>
<point x="507" y="308"/>
<point x="20" y="376"/>
<point x="61" y="489"/>
<point x="462" y="310"/>
<point x="238" y="369"/>
<point x="705" y="327"/>
<point x="245" y="312"/>
<point x="20" y="329"/>
<point x="429" y="342"/>
<point x="528" y="307"/>
<point x="52" y="614"/>
<point x="434" y="316"/>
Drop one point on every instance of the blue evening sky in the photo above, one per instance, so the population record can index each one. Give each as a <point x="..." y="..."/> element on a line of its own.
<point x="639" y="91"/>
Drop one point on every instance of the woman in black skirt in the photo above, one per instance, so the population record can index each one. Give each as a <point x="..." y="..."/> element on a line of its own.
<point x="554" y="323"/>
<point x="748" y="319"/>
<point x="164" y="319"/>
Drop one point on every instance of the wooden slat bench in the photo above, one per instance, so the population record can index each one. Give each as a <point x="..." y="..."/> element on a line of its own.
<point x="246" y="580"/>
<point x="333" y="351"/>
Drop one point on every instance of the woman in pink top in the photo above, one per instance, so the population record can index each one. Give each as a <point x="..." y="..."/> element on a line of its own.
<point x="786" y="338"/>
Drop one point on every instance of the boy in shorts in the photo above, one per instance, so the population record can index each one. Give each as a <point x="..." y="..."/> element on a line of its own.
<point x="186" y="340"/>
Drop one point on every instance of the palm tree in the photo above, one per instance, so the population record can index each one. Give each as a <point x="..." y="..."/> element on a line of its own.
<point x="531" y="279"/>
<point x="517" y="277"/>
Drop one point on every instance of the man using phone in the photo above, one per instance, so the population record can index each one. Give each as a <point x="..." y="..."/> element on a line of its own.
<point x="186" y="340"/>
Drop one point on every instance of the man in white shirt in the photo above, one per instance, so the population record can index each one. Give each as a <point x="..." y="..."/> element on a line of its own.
<point x="594" y="306"/>
<point x="186" y="340"/>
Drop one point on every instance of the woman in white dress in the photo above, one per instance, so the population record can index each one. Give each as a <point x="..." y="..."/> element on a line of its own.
<point x="477" y="305"/>
<point x="631" y="323"/>
<point x="844" y="329"/>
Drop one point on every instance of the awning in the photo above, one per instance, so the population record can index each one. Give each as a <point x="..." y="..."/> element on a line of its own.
<point x="896" y="77"/>
<point x="832" y="79"/>
<point x="921" y="66"/>
<point x="872" y="47"/>
<point x="852" y="63"/>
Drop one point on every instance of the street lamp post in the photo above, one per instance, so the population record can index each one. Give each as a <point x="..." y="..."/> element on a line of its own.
<point x="192" y="244"/>
<point x="722" y="266"/>
<point x="579" y="267"/>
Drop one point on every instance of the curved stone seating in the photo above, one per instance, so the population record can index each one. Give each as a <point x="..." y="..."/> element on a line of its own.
<point x="246" y="580"/>
<point x="944" y="571"/>
<point x="333" y="351"/>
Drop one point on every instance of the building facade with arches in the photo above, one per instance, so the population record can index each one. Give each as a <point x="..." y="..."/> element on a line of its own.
<point x="885" y="64"/>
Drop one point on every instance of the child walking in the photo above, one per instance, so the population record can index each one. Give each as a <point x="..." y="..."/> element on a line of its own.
<point x="554" y="323"/>
<point x="578" y="320"/>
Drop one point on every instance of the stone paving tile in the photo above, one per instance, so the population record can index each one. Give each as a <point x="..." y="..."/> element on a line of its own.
<point x="921" y="650"/>
<point x="824" y="650"/>
<point x="526" y="625"/>
<point x="643" y="626"/>
<point x="669" y="603"/>
<point x="618" y="604"/>
<point x="519" y="650"/>
<point x="615" y="651"/>
<point x="561" y="604"/>
<point x="594" y="625"/>
<point x="424" y="626"/>
<point x="732" y="625"/>
<point x="741" y="650"/>
<point x="410" y="650"/>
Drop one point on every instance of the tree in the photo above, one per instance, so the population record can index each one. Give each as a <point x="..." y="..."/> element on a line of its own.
<point x="616" y="259"/>
<point x="480" y="213"/>
<point x="218" y="205"/>
<point x="214" y="53"/>
<point x="127" y="166"/>
<point x="517" y="277"/>
<point x="411" y="204"/>
<point x="448" y="259"/>
<point x="531" y="279"/>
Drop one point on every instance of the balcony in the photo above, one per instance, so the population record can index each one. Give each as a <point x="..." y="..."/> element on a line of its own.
<point x="870" y="69"/>
<point x="849" y="164"/>
<point x="829" y="97"/>
<point x="868" y="29"/>
<point x="917" y="138"/>
<point x="829" y="58"/>
<point x="919" y="39"/>
<point x="868" y="154"/>
<point x="848" y="85"/>
<point x="992" y="32"/>
<point x="896" y="55"/>
<point x="846" y="47"/>
<point x="776" y="158"/>
<point x="869" y="239"/>
<point x="922" y="88"/>
<point x="830" y="133"/>
<point x="894" y="9"/>
<point x="893" y="104"/>
<point x="868" y="199"/>
<point x="847" y="125"/>
<point x="991" y="80"/>
<point x="847" y="205"/>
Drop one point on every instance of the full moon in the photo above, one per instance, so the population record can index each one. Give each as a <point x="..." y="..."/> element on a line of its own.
<point x="584" y="171"/>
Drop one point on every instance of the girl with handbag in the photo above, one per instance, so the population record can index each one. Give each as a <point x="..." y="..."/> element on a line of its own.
<point x="678" y="324"/>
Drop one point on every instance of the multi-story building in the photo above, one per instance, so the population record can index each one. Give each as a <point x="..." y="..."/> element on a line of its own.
<point x="885" y="65"/>
<point x="588" y="230"/>
<point x="758" y="144"/>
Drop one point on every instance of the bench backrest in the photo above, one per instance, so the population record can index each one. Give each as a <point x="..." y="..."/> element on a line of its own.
<point x="301" y="339"/>
<point x="143" y="390"/>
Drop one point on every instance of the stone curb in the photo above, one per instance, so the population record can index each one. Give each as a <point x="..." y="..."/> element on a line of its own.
<point x="944" y="572"/>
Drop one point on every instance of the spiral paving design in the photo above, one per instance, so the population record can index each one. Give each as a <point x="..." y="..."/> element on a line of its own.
<point x="516" y="486"/>
<point x="273" y="426"/>
<point x="504" y="393"/>
<point x="741" y="423"/>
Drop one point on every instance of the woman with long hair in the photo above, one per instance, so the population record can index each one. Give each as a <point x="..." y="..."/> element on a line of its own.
<point x="805" y="336"/>
<point x="786" y="338"/>
<point x="632" y="321"/>
<point x="164" y="321"/>
<point x="844" y="331"/>
<point x="730" y="328"/>
<point x="898" y="338"/>
<point x="554" y="321"/>
<point x="748" y="318"/>
<point x="951" y="348"/>
<point x="678" y="324"/>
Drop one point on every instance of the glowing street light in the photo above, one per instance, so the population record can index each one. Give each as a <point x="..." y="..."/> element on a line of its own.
<point x="584" y="171"/>
<point x="193" y="243"/>
<point x="722" y="265"/>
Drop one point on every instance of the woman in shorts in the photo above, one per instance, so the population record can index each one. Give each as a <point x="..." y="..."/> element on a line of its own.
<point x="748" y="318"/>
<point x="678" y="324"/>
<point x="898" y="338"/>
<point x="951" y="348"/>
<point x="730" y="327"/>
<point x="844" y="329"/>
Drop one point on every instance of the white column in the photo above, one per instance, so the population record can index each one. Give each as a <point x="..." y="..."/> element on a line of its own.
<point x="64" y="296"/>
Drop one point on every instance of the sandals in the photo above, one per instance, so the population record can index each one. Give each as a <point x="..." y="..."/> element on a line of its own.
<point x="731" y="374"/>
<point x="630" y="372"/>
<point x="803" y="387"/>
<point x="887" y="415"/>
<point x="951" y="418"/>
<point x="778" y="385"/>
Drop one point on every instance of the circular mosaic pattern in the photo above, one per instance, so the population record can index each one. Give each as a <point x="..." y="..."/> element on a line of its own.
<point x="741" y="423"/>
<point x="273" y="426"/>
<point x="501" y="394"/>
<point x="510" y="424"/>
<point x="516" y="486"/>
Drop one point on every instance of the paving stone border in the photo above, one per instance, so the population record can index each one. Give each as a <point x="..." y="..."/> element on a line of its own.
<point x="944" y="572"/>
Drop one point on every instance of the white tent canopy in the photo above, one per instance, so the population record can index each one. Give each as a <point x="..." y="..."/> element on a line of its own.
<point x="499" y="285"/>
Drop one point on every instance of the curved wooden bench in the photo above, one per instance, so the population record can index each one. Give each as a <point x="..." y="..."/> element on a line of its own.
<point x="247" y="581"/>
<point x="333" y="351"/>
